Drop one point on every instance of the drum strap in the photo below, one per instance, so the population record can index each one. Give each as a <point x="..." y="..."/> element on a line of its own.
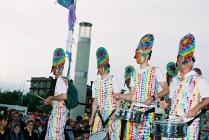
<point x="149" y="111"/>
<point x="191" y="121"/>
<point x="104" y="123"/>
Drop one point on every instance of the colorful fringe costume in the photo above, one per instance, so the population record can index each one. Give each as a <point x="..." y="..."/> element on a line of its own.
<point x="57" y="119"/>
<point x="184" y="91"/>
<point x="106" y="103"/>
<point x="188" y="97"/>
<point x="103" y="90"/>
<point x="146" y="85"/>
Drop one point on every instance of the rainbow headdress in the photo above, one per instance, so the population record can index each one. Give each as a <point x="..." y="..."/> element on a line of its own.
<point x="129" y="72"/>
<point x="145" y="44"/>
<point x="102" y="58"/>
<point x="187" y="47"/>
<point x="172" y="69"/>
<point x="58" y="57"/>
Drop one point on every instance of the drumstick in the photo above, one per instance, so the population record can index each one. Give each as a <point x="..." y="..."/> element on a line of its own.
<point x="39" y="97"/>
<point x="183" y="117"/>
<point x="140" y="104"/>
<point x="124" y="101"/>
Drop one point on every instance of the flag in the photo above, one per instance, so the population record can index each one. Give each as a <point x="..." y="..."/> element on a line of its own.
<point x="71" y="16"/>
<point x="70" y="5"/>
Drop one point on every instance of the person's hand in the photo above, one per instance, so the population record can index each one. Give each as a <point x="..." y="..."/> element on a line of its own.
<point x="149" y="101"/>
<point x="47" y="100"/>
<point x="191" y="113"/>
<point x="91" y="120"/>
<point x="163" y="104"/>
<point x="51" y="102"/>
<point x="112" y="117"/>
<point x="116" y="96"/>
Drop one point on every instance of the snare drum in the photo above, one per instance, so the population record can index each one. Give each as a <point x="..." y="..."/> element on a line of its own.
<point x="170" y="129"/>
<point x="129" y="115"/>
<point x="100" y="135"/>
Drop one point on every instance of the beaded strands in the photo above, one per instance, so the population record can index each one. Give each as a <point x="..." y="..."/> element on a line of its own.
<point x="188" y="83"/>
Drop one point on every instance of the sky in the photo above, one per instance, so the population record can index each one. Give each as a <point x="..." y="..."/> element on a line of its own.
<point x="31" y="29"/>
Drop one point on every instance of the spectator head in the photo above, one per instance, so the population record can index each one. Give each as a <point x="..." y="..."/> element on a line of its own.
<point x="12" y="111"/>
<point x="86" y="136"/>
<point x="37" y="122"/>
<point x="16" y="129"/>
<point x="29" y="124"/>
<point x="37" y="113"/>
<point x="3" y="121"/>
<point x="79" y="119"/>
<point x="77" y="126"/>
<point x="16" y="116"/>
<point x="71" y="122"/>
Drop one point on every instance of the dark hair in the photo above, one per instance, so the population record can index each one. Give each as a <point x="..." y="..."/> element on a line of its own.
<point x="198" y="71"/>
<point x="3" y="118"/>
<point x="150" y="54"/>
<point x="15" y="125"/>
<point x="108" y="66"/>
<point x="29" y="121"/>
<point x="193" y="59"/>
<point x="37" y="120"/>
<point x="16" y="113"/>
<point x="20" y="135"/>
<point x="79" y="118"/>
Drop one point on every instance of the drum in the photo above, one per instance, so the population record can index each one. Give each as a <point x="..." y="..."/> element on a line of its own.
<point x="100" y="135"/>
<point x="170" y="129"/>
<point x="129" y="115"/>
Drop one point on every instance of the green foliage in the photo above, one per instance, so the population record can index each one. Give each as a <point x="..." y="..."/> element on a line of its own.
<point x="11" y="98"/>
<point x="29" y="100"/>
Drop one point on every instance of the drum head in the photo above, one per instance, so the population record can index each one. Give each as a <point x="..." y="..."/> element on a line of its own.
<point x="169" y="129"/>
<point x="100" y="135"/>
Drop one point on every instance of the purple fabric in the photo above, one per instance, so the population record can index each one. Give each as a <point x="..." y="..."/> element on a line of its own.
<point x="71" y="16"/>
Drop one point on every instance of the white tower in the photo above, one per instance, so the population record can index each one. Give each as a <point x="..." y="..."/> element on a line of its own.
<point x="81" y="66"/>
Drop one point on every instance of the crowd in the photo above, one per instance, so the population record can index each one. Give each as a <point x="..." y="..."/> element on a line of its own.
<point x="15" y="126"/>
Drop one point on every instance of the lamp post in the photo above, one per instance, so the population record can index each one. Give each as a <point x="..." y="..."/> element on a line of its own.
<point x="22" y="88"/>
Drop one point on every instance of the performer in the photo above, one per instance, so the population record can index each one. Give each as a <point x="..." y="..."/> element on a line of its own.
<point x="57" y="119"/>
<point x="143" y="88"/>
<point x="172" y="71"/>
<point x="188" y="88"/>
<point x="126" y="104"/>
<point x="129" y="72"/>
<point x="103" y="89"/>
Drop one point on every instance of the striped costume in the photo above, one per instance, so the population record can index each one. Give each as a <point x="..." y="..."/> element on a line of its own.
<point x="103" y="90"/>
<point x="57" y="119"/>
<point x="146" y="85"/>
<point x="186" y="89"/>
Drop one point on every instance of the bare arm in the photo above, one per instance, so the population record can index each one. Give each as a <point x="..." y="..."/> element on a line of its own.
<point x="164" y="91"/>
<point x="117" y="100"/>
<point x="94" y="109"/>
<point x="193" y="112"/>
<point x="62" y="96"/>
<point x="128" y="96"/>
<point x="202" y="104"/>
<point x="160" y="95"/>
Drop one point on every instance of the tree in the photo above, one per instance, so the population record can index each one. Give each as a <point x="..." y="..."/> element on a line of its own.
<point x="17" y="98"/>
